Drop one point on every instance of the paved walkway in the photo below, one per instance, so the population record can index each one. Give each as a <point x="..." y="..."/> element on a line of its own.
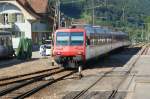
<point x="142" y="79"/>
<point x="140" y="84"/>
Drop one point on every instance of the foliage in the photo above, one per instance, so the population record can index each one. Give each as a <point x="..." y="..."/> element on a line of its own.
<point x="24" y="50"/>
<point x="127" y="15"/>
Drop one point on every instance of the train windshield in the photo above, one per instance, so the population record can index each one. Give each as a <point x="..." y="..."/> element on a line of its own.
<point x="77" y="38"/>
<point x="62" y="38"/>
<point x="69" y="38"/>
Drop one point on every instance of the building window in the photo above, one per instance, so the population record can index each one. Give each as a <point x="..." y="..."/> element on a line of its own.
<point x="17" y="34"/>
<point x="5" y="41"/>
<point x="19" y="18"/>
<point x="4" y="18"/>
<point x="11" y="18"/>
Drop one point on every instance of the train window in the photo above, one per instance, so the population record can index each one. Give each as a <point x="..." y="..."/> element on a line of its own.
<point x="103" y="39"/>
<point x="77" y="38"/>
<point x="93" y="41"/>
<point x="62" y="38"/>
<point x="96" y="41"/>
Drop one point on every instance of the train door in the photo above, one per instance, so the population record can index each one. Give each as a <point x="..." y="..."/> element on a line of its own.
<point x="88" y="52"/>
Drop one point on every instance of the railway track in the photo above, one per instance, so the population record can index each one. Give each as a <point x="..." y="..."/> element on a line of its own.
<point x="21" y="86"/>
<point x="126" y="74"/>
<point x="24" y="77"/>
<point x="146" y="50"/>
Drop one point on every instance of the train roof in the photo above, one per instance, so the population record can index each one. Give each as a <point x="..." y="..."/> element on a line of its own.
<point x="106" y="30"/>
<point x="92" y="29"/>
<point x="70" y="30"/>
<point x="81" y="25"/>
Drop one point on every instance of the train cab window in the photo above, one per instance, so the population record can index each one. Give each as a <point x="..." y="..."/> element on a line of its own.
<point x="62" y="38"/>
<point x="77" y="38"/>
<point x="69" y="38"/>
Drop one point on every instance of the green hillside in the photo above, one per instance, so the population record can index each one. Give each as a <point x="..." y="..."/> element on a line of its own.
<point x="132" y="11"/>
<point x="126" y="15"/>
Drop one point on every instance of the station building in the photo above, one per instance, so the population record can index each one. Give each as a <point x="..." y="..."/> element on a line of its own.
<point x="26" y="18"/>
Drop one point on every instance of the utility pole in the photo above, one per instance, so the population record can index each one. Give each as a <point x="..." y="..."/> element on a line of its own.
<point x="142" y="32"/>
<point x="123" y="14"/>
<point x="93" y="13"/>
<point x="55" y="16"/>
<point x="56" y="24"/>
<point x="148" y="35"/>
<point x="59" y="14"/>
<point x="105" y="4"/>
<point x="124" y="6"/>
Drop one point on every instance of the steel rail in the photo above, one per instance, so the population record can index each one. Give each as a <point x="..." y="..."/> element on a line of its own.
<point x="39" y="78"/>
<point x="93" y="84"/>
<point x="29" y="78"/>
<point x="34" y="90"/>
<point x="23" y="75"/>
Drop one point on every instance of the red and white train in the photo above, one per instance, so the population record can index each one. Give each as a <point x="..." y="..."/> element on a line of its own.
<point x="76" y="46"/>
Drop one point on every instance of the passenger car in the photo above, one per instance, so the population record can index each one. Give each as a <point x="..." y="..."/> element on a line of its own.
<point x="73" y="47"/>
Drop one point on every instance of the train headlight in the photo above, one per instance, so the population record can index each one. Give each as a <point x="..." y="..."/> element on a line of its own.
<point x="79" y="53"/>
<point x="58" y="53"/>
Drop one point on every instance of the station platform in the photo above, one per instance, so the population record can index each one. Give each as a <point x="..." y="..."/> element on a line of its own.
<point x="142" y="79"/>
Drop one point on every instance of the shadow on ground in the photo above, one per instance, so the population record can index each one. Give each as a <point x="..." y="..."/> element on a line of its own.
<point x="116" y="58"/>
<point x="8" y="62"/>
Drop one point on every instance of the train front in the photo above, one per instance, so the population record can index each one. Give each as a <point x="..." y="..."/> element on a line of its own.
<point x="69" y="47"/>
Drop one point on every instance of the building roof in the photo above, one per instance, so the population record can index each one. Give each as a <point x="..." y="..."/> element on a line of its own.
<point x="37" y="8"/>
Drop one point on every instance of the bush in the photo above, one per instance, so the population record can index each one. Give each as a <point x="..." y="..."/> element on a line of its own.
<point x="24" y="50"/>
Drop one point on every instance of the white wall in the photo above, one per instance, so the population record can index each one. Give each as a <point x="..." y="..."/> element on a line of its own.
<point x="15" y="42"/>
<point x="24" y="27"/>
